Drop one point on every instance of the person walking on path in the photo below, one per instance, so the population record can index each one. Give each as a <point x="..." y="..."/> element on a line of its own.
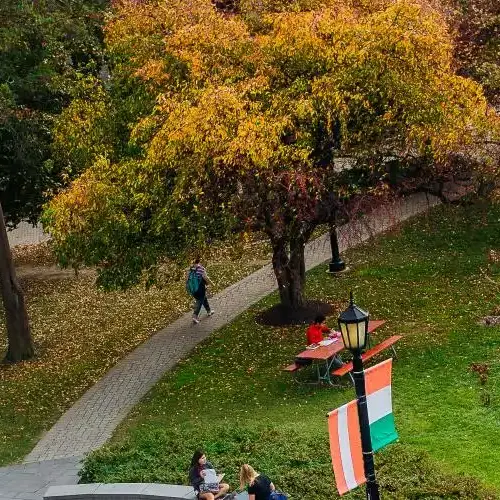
<point x="196" y="284"/>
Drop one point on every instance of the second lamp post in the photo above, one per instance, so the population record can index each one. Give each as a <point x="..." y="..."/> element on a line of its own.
<point x="336" y="264"/>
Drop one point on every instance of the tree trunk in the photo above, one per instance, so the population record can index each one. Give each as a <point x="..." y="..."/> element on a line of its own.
<point x="290" y="271"/>
<point x="19" y="342"/>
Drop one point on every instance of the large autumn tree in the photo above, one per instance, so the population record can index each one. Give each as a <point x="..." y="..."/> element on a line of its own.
<point x="276" y="118"/>
<point x="46" y="48"/>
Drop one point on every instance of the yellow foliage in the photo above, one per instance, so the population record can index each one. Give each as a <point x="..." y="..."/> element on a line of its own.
<point x="80" y="133"/>
<point x="257" y="94"/>
<point x="381" y="64"/>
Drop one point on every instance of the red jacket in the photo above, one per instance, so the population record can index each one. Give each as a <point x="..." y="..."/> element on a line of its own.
<point x="315" y="333"/>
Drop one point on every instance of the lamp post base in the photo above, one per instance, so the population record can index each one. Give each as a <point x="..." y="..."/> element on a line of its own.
<point x="338" y="267"/>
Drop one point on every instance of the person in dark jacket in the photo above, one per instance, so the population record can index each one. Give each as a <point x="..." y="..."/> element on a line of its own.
<point x="199" y="464"/>
<point x="201" y="294"/>
<point x="260" y="487"/>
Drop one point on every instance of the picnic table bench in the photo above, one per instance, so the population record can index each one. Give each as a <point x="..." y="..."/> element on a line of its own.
<point x="385" y="344"/>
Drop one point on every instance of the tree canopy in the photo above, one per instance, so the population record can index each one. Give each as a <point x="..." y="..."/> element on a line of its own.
<point x="44" y="47"/>
<point x="273" y="119"/>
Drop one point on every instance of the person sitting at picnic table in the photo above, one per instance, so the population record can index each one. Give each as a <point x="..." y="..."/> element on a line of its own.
<point x="317" y="329"/>
<point x="315" y="334"/>
<point x="260" y="487"/>
<point x="204" y="491"/>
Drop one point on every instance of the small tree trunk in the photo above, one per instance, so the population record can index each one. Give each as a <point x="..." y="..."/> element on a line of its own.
<point x="290" y="272"/>
<point x="20" y="344"/>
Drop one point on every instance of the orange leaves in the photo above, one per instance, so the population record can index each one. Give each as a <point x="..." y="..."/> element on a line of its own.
<point x="214" y="49"/>
<point x="217" y="109"/>
<point x="154" y="70"/>
<point x="70" y="210"/>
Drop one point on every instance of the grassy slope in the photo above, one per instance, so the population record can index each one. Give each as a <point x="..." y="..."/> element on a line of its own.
<point x="80" y="332"/>
<point x="231" y="397"/>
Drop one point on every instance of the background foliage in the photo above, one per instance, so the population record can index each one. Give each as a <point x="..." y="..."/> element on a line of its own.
<point x="45" y="47"/>
<point x="478" y="43"/>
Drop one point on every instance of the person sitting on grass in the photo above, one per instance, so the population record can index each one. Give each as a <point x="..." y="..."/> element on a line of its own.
<point x="197" y="471"/>
<point x="260" y="487"/>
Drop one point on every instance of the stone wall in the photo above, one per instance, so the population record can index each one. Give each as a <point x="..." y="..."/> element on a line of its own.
<point x="120" y="491"/>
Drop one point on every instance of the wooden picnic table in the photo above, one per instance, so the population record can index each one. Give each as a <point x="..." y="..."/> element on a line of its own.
<point x="325" y="356"/>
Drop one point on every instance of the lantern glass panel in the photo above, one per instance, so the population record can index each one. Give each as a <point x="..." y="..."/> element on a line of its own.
<point x="343" y="331"/>
<point x="354" y="334"/>
<point x="360" y="332"/>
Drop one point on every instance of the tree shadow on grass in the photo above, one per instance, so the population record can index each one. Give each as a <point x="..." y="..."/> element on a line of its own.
<point x="280" y="315"/>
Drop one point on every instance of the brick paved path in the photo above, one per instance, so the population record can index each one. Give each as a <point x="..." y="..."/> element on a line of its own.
<point x="26" y="234"/>
<point x="30" y="481"/>
<point x="92" y="420"/>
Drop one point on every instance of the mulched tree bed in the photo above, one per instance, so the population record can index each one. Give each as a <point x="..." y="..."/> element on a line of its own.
<point x="280" y="315"/>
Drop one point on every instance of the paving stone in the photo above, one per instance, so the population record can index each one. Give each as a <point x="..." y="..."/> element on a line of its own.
<point x="30" y="481"/>
<point x="26" y="234"/>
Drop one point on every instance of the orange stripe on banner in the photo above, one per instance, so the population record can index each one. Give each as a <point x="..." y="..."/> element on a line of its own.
<point x="379" y="376"/>
<point x="335" y="452"/>
<point x="355" y="442"/>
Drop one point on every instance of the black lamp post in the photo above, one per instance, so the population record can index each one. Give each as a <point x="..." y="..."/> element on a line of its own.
<point x="353" y="324"/>
<point x="336" y="264"/>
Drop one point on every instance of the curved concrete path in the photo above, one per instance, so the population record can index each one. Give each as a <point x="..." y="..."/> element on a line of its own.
<point x="26" y="234"/>
<point x="91" y="421"/>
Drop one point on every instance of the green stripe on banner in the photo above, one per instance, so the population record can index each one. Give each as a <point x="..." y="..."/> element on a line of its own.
<point x="383" y="432"/>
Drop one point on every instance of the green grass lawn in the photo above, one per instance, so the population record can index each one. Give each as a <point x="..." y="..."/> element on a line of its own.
<point x="231" y="397"/>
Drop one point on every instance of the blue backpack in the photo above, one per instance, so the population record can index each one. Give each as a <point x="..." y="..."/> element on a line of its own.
<point x="193" y="281"/>
<point x="278" y="495"/>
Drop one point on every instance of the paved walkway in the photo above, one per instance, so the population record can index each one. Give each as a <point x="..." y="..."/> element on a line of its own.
<point x="26" y="234"/>
<point x="92" y="420"/>
<point x="30" y="481"/>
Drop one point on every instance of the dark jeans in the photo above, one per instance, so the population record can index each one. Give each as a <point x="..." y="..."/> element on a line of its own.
<point x="201" y="300"/>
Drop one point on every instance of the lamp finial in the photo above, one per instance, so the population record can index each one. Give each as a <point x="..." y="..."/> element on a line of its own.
<point x="351" y="298"/>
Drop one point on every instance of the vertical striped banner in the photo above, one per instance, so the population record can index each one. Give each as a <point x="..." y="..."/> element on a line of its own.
<point x="345" y="447"/>
<point x="379" y="403"/>
<point x="343" y="427"/>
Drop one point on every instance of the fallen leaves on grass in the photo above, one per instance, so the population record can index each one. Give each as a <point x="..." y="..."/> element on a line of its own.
<point x="80" y="332"/>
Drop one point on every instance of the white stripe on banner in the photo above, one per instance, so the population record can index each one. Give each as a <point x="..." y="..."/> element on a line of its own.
<point x="379" y="404"/>
<point x="345" y="448"/>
